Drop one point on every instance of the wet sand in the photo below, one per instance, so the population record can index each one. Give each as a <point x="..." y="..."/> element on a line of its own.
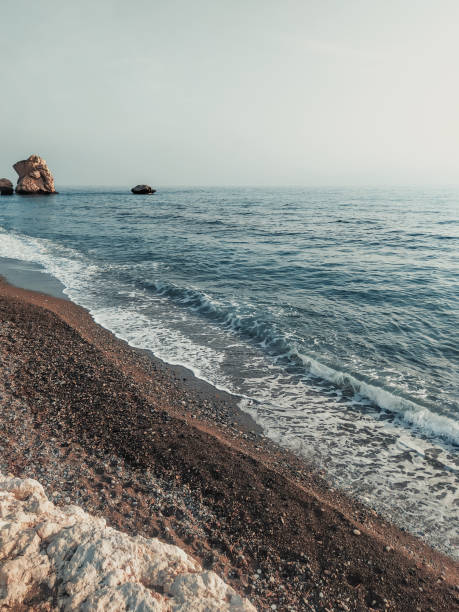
<point x="159" y="453"/>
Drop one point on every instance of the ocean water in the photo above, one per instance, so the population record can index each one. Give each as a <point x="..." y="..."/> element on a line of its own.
<point x="332" y="313"/>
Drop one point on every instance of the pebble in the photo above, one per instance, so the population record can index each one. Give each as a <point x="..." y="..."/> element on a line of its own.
<point x="356" y="532"/>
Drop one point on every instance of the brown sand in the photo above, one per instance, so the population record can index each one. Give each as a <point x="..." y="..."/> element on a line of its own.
<point x="123" y="435"/>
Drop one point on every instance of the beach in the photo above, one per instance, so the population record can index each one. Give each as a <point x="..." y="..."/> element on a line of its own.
<point x="156" y="452"/>
<point x="229" y="357"/>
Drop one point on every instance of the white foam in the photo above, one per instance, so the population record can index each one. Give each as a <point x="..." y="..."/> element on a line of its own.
<point x="413" y="414"/>
<point x="168" y="344"/>
<point x="65" y="264"/>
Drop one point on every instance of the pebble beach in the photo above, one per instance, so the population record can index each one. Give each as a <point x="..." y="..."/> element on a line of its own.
<point x="155" y="452"/>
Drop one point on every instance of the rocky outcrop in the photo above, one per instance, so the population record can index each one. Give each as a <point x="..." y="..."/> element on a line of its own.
<point x="142" y="189"/>
<point x="34" y="176"/>
<point x="6" y="187"/>
<point x="64" y="559"/>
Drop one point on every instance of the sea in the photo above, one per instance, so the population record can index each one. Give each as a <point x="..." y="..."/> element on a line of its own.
<point x="332" y="314"/>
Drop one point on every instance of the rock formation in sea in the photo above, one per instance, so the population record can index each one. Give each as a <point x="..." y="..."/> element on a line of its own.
<point x="61" y="558"/>
<point x="142" y="189"/>
<point x="34" y="176"/>
<point x="6" y="187"/>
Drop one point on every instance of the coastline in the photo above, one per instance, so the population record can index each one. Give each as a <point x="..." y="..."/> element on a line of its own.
<point x="157" y="452"/>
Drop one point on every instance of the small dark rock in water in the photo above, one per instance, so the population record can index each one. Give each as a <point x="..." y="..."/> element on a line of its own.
<point x="6" y="187"/>
<point x="141" y="189"/>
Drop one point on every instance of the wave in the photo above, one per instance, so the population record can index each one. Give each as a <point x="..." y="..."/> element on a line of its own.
<point x="411" y="413"/>
<point x="67" y="265"/>
<point x="75" y="272"/>
<point x="227" y="316"/>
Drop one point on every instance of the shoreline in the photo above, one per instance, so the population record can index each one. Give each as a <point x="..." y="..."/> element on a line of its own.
<point x="30" y="277"/>
<point x="285" y="515"/>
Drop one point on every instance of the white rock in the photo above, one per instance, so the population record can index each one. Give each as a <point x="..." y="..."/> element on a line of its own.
<point x="94" y="566"/>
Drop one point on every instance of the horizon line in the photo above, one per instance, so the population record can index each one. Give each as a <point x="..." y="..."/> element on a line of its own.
<point x="268" y="186"/>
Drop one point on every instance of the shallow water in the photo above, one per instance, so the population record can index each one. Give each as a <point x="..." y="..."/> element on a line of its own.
<point x="333" y="313"/>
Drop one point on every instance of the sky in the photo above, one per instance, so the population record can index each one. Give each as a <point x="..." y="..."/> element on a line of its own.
<point x="232" y="92"/>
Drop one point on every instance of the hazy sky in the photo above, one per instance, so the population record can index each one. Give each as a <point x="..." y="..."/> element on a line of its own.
<point x="228" y="92"/>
